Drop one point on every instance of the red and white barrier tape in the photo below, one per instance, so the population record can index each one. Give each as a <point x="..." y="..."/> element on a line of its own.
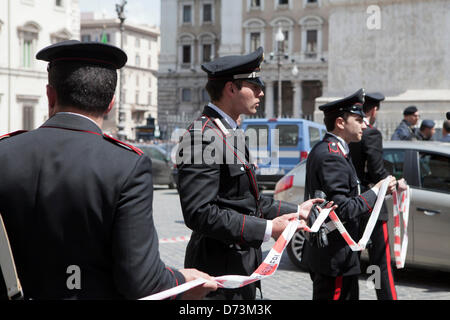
<point x="401" y="207"/>
<point x="175" y="239"/>
<point x="266" y="269"/>
<point x="272" y="260"/>
<point x="361" y="245"/>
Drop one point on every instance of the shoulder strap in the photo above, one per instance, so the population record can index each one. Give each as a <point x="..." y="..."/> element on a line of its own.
<point x="8" y="266"/>
<point x="123" y="144"/>
<point x="12" y="134"/>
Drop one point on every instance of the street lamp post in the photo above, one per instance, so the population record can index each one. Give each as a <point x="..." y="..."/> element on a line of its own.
<point x="279" y="39"/>
<point x="121" y="125"/>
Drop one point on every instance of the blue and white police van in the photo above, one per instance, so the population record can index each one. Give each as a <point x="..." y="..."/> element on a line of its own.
<point x="278" y="145"/>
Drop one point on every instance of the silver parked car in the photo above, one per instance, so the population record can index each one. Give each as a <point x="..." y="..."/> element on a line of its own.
<point x="426" y="168"/>
<point x="162" y="165"/>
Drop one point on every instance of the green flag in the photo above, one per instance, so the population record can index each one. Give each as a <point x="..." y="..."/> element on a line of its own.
<point x="104" y="37"/>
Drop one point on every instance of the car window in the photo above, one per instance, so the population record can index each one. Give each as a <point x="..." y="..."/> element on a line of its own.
<point x="393" y="162"/>
<point x="314" y="136"/>
<point x="258" y="136"/>
<point x="434" y="172"/>
<point x="156" y="154"/>
<point x="288" y="135"/>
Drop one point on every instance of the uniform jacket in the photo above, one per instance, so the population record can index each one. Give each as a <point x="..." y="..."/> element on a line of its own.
<point x="329" y="170"/>
<point x="71" y="197"/>
<point x="404" y="132"/>
<point x="221" y="202"/>
<point x="367" y="158"/>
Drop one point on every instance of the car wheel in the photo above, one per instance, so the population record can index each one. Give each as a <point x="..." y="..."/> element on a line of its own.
<point x="295" y="249"/>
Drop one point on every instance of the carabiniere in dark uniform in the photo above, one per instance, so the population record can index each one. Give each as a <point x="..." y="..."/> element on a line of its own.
<point x="221" y="201"/>
<point x="329" y="169"/>
<point x="367" y="157"/>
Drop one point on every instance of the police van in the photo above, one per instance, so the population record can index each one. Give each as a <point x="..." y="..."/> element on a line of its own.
<point x="277" y="145"/>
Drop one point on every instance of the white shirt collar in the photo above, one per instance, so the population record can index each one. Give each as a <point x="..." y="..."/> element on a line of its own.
<point x="227" y="118"/>
<point x="80" y="115"/>
<point x="344" y="144"/>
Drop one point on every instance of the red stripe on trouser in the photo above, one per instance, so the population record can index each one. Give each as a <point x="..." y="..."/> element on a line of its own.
<point x="337" y="288"/>
<point x="388" y="261"/>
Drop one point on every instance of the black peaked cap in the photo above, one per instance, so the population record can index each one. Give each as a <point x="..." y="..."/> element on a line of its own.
<point x="89" y="52"/>
<point x="410" y="110"/>
<point x="373" y="99"/>
<point x="352" y="104"/>
<point x="245" y="67"/>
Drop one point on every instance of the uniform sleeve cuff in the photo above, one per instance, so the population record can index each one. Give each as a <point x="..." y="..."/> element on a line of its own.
<point x="268" y="232"/>
<point x="376" y="190"/>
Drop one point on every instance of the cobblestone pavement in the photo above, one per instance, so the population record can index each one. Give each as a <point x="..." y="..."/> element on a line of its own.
<point x="289" y="283"/>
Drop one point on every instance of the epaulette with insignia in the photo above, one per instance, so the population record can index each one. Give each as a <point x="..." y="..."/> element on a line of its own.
<point x="12" y="134"/>
<point x="221" y="127"/>
<point x="333" y="147"/>
<point x="123" y="144"/>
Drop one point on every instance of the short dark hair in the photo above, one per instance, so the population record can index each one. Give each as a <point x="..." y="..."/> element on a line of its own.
<point x="446" y="125"/>
<point x="330" y="119"/>
<point x="215" y="88"/>
<point x="368" y="107"/>
<point x="89" y="88"/>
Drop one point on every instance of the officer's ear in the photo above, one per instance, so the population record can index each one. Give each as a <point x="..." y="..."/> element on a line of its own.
<point x="229" y="88"/>
<point x="52" y="100"/>
<point x="339" y="123"/>
<point x="111" y="105"/>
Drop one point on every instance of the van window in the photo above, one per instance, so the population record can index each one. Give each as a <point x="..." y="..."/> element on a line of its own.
<point x="314" y="136"/>
<point x="258" y="136"/>
<point x="288" y="135"/>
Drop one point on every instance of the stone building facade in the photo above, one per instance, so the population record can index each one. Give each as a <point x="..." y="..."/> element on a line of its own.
<point x="191" y="31"/>
<point x="304" y="24"/>
<point x="398" y="47"/>
<point x="239" y="27"/>
<point x="140" y="84"/>
<point x="26" y="26"/>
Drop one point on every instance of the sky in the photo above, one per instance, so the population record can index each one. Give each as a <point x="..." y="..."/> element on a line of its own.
<point x="137" y="11"/>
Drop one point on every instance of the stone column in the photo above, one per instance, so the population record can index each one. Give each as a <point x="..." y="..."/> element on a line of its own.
<point x="298" y="95"/>
<point x="268" y="92"/>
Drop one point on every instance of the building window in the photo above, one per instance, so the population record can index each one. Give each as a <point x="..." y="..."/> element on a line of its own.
<point x="207" y="52"/>
<point x="138" y="61"/>
<point x="255" y="3"/>
<point x="284" y="46"/>
<point x="27" y="53"/>
<point x="137" y="43"/>
<point x="149" y="62"/>
<point x="186" y="95"/>
<point x="205" y="95"/>
<point x="186" y="54"/>
<point x="149" y="98"/>
<point x="59" y="3"/>
<point x="137" y="97"/>
<point x="311" y="41"/>
<point x="137" y="80"/>
<point x="283" y="2"/>
<point x="60" y="35"/>
<point x="187" y="14"/>
<point x="207" y="12"/>
<point x="255" y="41"/>
<point x="149" y="82"/>
<point x="311" y="47"/>
<point x="254" y="34"/>
<point x="85" y="38"/>
<point x="311" y="3"/>
<point x="28" y="36"/>
<point x="28" y="117"/>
